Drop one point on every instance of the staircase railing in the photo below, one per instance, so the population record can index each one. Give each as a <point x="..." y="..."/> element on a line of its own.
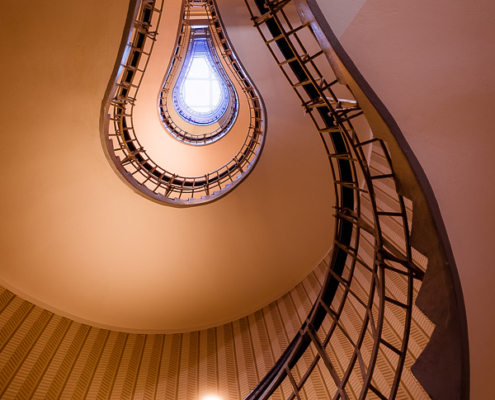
<point x="131" y="159"/>
<point x="375" y="273"/>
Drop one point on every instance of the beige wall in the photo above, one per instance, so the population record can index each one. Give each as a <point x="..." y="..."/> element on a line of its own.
<point x="432" y="65"/>
<point x="77" y="241"/>
<point x="45" y="356"/>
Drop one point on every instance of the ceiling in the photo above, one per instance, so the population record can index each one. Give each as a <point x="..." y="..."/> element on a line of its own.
<point x="77" y="241"/>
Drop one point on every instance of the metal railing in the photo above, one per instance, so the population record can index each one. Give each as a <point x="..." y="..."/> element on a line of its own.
<point x="368" y="301"/>
<point x="359" y="275"/>
<point x="131" y="159"/>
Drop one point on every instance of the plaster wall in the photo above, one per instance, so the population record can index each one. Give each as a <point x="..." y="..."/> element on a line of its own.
<point x="77" y="241"/>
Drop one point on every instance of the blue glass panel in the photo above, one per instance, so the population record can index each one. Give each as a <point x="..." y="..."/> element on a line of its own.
<point x="201" y="93"/>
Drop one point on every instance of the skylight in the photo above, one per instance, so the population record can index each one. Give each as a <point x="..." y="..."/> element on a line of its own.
<point x="201" y="90"/>
<point x="201" y="94"/>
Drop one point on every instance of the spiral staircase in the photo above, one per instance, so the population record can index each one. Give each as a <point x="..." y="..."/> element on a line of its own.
<point x="359" y="326"/>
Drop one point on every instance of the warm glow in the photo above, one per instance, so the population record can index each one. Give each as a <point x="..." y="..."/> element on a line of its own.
<point x="212" y="398"/>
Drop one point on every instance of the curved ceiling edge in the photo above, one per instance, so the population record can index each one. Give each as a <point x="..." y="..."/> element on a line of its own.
<point x="219" y="124"/>
<point x="318" y="269"/>
<point x="120" y="141"/>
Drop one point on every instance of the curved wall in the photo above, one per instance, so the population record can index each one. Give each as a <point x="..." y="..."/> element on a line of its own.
<point x="432" y="63"/>
<point x="43" y="355"/>
<point x="78" y="242"/>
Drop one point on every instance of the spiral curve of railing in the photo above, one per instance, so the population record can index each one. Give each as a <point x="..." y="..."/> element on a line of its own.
<point x="131" y="160"/>
<point x="381" y="317"/>
<point x="371" y="304"/>
<point x="369" y="209"/>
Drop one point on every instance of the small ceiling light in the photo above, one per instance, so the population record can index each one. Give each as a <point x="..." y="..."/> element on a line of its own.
<point x="212" y="398"/>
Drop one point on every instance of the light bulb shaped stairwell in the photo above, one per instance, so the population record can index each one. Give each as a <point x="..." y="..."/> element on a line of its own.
<point x="198" y="104"/>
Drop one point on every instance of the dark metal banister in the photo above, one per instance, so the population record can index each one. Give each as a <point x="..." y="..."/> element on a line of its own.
<point x="345" y="150"/>
<point x="343" y="230"/>
<point x="443" y="367"/>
